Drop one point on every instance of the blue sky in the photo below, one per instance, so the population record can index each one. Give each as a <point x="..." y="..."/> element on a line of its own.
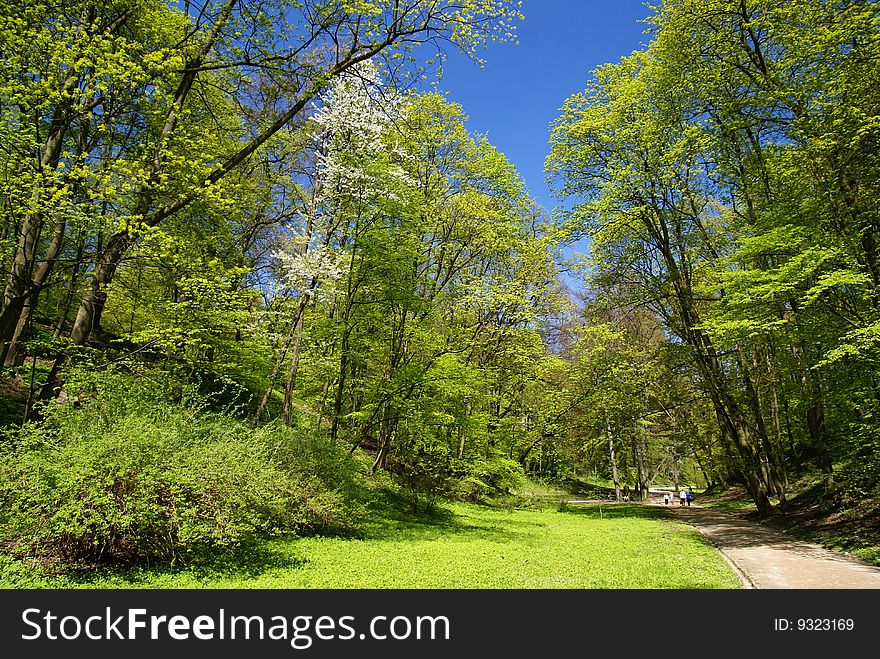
<point x="518" y="94"/>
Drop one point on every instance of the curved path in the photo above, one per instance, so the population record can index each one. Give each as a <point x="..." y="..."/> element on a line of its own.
<point x="766" y="558"/>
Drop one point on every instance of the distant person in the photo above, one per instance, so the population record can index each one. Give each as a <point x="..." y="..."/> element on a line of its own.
<point x="681" y="497"/>
<point x="666" y="498"/>
<point x="690" y="495"/>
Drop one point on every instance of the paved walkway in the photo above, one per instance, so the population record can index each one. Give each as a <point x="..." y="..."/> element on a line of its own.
<point x="766" y="558"/>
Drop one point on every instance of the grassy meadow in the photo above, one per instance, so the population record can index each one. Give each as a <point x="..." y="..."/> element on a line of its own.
<point x="462" y="546"/>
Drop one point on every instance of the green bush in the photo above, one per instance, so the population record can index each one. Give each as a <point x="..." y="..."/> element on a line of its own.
<point x="423" y="470"/>
<point x="123" y="478"/>
<point x="485" y="478"/>
<point x="301" y="450"/>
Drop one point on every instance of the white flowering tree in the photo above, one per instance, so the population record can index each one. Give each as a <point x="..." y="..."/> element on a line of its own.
<point x="353" y="175"/>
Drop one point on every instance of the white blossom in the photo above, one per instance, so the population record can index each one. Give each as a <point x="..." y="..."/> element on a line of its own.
<point x="310" y="269"/>
<point x="355" y="119"/>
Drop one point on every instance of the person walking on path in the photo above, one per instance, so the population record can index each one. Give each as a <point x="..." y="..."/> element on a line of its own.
<point x="681" y="497"/>
<point x="666" y="498"/>
<point x="690" y="496"/>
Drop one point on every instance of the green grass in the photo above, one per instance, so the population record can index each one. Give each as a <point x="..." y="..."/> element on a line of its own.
<point x="868" y="554"/>
<point x="466" y="546"/>
<point x="533" y="488"/>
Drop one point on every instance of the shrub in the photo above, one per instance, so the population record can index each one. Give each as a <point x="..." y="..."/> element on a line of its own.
<point x="124" y="480"/>
<point x="423" y="470"/>
<point x="484" y="478"/>
<point x="301" y="450"/>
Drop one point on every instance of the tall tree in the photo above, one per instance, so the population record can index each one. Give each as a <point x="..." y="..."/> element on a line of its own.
<point x="267" y="61"/>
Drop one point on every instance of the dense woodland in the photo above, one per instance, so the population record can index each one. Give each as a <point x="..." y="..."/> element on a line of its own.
<point x="250" y="266"/>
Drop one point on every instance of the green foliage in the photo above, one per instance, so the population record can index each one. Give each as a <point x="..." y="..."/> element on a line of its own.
<point x="377" y="276"/>
<point x="424" y="471"/>
<point x="469" y="546"/>
<point x="727" y="173"/>
<point x="482" y="479"/>
<point x="121" y="477"/>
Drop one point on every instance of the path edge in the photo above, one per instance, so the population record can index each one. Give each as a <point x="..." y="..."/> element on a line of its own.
<point x="741" y="574"/>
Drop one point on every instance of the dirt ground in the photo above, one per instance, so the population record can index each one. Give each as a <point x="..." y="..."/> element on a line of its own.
<point x="764" y="557"/>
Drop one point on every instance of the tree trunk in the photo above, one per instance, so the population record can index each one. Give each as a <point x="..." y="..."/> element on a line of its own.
<point x="676" y="475"/>
<point x="340" y="388"/>
<point x="385" y="436"/>
<point x="462" y="432"/>
<point x="91" y="308"/>
<point x="641" y="471"/>
<point x="71" y="290"/>
<point x="613" y="456"/>
<point x="273" y="376"/>
<point x="287" y="406"/>
<point x="819" y="435"/>
<point x="771" y="470"/>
